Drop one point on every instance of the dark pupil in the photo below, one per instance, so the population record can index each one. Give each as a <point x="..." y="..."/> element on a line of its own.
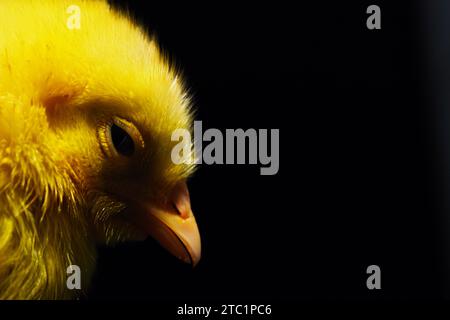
<point x="122" y="141"/>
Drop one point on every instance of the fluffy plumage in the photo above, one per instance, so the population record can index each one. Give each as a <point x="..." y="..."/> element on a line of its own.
<point x="60" y="89"/>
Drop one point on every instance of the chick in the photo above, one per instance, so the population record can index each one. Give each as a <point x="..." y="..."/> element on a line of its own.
<point x="86" y="117"/>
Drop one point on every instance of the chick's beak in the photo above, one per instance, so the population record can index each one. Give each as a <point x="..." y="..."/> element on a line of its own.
<point x="173" y="225"/>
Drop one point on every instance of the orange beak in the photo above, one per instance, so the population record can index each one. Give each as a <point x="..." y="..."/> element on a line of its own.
<point x="174" y="226"/>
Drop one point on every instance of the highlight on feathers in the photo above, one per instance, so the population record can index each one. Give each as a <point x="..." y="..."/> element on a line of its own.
<point x="61" y="193"/>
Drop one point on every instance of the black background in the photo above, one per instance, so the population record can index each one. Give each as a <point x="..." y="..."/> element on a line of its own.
<point x="357" y="183"/>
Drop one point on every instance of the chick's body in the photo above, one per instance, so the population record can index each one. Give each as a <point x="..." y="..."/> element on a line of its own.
<point x="63" y="185"/>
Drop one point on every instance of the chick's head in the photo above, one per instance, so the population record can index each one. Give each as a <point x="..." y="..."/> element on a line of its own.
<point x="114" y="114"/>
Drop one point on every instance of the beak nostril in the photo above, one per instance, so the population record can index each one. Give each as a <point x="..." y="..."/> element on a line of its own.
<point x="182" y="214"/>
<point x="179" y="200"/>
<point x="175" y="208"/>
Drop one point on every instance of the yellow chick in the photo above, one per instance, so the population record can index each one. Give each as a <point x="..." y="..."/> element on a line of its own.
<point x="88" y="105"/>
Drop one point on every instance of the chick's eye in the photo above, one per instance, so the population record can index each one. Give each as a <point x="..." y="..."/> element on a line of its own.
<point x="122" y="141"/>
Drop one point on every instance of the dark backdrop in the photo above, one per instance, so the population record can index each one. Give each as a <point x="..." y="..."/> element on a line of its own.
<point x="357" y="183"/>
